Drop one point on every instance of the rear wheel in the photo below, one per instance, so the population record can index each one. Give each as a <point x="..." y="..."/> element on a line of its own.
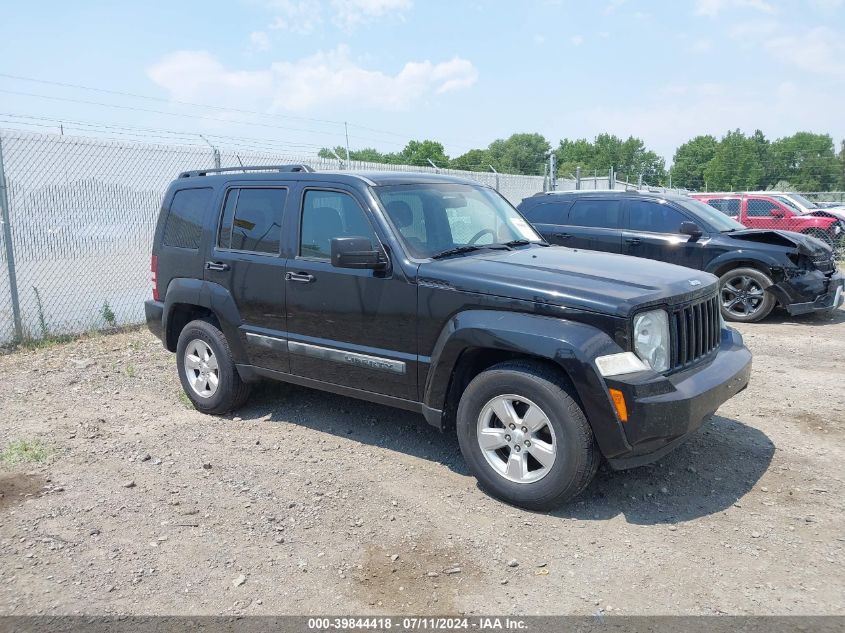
<point x="207" y="370"/>
<point x="524" y="436"/>
<point x="743" y="295"/>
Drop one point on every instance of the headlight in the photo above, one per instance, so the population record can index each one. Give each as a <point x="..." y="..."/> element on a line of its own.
<point x="837" y="230"/>
<point x="651" y="338"/>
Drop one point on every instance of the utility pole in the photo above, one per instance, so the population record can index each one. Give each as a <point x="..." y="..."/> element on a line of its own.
<point x="497" y="175"/>
<point x="346" y="128"/>
<point x="10" y="250"/>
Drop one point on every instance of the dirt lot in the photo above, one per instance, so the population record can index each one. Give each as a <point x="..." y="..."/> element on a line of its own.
<point x="312" y="503"/>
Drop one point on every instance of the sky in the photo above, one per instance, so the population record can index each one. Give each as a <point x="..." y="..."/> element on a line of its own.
<point x="289" y="73"/>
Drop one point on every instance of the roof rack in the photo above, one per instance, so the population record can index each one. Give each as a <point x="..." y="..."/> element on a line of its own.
<point x="223" y="170"/>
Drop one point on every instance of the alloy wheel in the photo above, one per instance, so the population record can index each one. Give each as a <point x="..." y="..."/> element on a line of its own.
<point x="201" y="369"/>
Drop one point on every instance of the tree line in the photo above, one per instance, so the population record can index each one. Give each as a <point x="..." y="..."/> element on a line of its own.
<point x="804" y="161"/>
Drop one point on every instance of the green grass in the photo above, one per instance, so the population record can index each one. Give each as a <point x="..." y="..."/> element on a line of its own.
<point x="185" y="400"/>
<point x="24" y="451"/>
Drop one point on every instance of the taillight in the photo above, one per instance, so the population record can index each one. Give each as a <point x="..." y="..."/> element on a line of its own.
<point x="154" y="270"/>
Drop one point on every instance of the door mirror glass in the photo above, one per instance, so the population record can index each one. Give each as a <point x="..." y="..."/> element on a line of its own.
<point x="691" y="229"/>
<point x="356" y="252"/>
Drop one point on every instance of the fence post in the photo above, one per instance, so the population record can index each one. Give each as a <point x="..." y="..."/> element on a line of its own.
<point x="497" y="176"/>
<point x="10" y="250"/>
<point x="577" y="178"/>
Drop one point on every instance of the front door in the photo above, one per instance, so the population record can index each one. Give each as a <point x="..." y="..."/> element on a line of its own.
<point x="350" y="327"/>
<point x="653" y="231"/>
<point x="246" y="260"/>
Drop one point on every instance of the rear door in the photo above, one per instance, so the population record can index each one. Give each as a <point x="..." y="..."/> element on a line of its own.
<point x="246" y="259"/>
<point x="653" y="231"/>
<point x="594" y="223"/>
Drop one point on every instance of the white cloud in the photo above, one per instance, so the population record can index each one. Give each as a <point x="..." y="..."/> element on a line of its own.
<point x="712" y="8"/>
<point x="324" y="78"/>
<point x="349" y="14"/>
<point x="297" y="16"/>
<point x="818" y="50"/>
<point x="305" y="16"/>
<point x="259" y="40"/>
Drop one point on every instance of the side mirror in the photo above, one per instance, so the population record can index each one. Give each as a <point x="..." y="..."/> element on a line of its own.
<point x="356" y="252"/>
<point x="691" y="229"/>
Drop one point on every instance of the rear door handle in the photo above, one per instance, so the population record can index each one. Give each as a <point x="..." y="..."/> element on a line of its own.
<point x="633" y="240"/>
<point x="304" y="278"/>
<point x="562" y="236"/>
<point x="217" y="266"/>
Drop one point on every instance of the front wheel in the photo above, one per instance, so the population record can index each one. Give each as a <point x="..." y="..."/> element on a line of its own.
<point x="743" y="295"/>
<point x="524" y="436"/>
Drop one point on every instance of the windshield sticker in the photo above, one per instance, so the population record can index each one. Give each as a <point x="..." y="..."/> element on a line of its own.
<point x="524" y="229"/>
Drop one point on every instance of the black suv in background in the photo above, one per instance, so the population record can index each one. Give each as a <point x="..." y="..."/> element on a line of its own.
<point x="433" y="294"/>
<point x="757" y="269"/>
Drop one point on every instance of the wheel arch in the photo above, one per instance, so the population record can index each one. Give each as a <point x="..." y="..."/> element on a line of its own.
<point x="476" y="340"/>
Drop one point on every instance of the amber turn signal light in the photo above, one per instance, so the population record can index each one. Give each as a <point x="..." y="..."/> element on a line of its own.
<point x="619" y="403"/>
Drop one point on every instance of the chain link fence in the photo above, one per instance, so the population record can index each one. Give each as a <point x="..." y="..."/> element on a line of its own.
<point x="78" y="221"/>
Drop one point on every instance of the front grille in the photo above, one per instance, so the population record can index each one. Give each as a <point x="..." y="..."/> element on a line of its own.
<point x="695" y="332"/>
<point x="823" y="262"/>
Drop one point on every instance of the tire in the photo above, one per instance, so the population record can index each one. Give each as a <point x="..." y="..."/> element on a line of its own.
<point x="575" y="455"/>
<point x="230" y="392"/>
<point x="742" y="295"/>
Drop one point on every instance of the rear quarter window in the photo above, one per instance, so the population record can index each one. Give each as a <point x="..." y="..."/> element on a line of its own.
<point x="185" y="218"/>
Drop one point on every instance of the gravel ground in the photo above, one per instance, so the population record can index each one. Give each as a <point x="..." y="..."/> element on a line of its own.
<point x="309" y="503"/>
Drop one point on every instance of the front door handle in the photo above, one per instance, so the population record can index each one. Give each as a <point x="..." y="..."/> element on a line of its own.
<point x="633" y="240"/>
<point x="304" y="278"/>
<point x="217" y="266"/>
<point x="562" y="236"/>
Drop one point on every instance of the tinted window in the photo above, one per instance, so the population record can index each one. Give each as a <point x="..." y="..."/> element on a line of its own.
<point x="728" y="206"/>
<point x="252" y="220"/>
<point x="184" y="223"/>
<point x="330" y="214"/>
<point x="758" y="207"/>
<point x="654" y="217"/>
<point x="548" y="213"/>
<point x="597" y="213"/>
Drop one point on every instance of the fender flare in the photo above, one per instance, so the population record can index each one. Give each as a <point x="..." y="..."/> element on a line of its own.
<point x="569" y="344"/>
<point x="214" y="297"/>
<point x="739" y="257"/>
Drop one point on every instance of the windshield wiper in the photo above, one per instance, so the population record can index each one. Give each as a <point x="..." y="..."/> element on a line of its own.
<point x="468" y="248"/>
<point x="522" y="242"/>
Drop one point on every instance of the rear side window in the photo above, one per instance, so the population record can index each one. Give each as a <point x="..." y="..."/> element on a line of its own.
<point x="548" y="213"/>
<point x="595" y="213"/>
<point x="184" y="222"/>
<point x="252" y="219"/>
<point x="654" y="217"/>
<point x="728" y="206"/>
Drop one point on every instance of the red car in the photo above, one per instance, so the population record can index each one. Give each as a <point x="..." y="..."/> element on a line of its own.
<point x="761" y="211"/>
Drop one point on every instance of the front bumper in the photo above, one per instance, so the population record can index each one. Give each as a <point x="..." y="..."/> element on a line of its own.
<point x="663" y="411"/>
<point x="813" y="291"/>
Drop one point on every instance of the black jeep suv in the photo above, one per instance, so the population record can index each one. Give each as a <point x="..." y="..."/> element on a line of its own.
<point x="757" y="269"/>
<point x="433" y="294"/>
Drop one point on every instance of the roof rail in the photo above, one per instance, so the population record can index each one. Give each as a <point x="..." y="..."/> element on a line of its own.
<point x="223" y="170"/>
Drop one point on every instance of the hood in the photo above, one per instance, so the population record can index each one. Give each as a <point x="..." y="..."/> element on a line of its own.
<point x="805" y="244"/>
<point x="588" y="280"/>
<point x="835" y="212"/>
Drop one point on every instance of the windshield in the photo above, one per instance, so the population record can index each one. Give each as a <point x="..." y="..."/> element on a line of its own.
<point x="435" y="218"/>
<point x="804" y="202"/>
<point x="715" y="219"/>
<point x="789" y="202"/>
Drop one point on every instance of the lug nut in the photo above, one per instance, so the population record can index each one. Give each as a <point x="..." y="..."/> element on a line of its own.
<point x="517" y="448"/>
<point x="512" y="426"/>
<point x="527" y="443"/>
<point x="525" y="429"/>
<point x="507" y="438"/>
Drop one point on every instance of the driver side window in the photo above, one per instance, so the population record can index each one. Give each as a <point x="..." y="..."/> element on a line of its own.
<point x="654" y="217"/>
<point x="330" y="214"/>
